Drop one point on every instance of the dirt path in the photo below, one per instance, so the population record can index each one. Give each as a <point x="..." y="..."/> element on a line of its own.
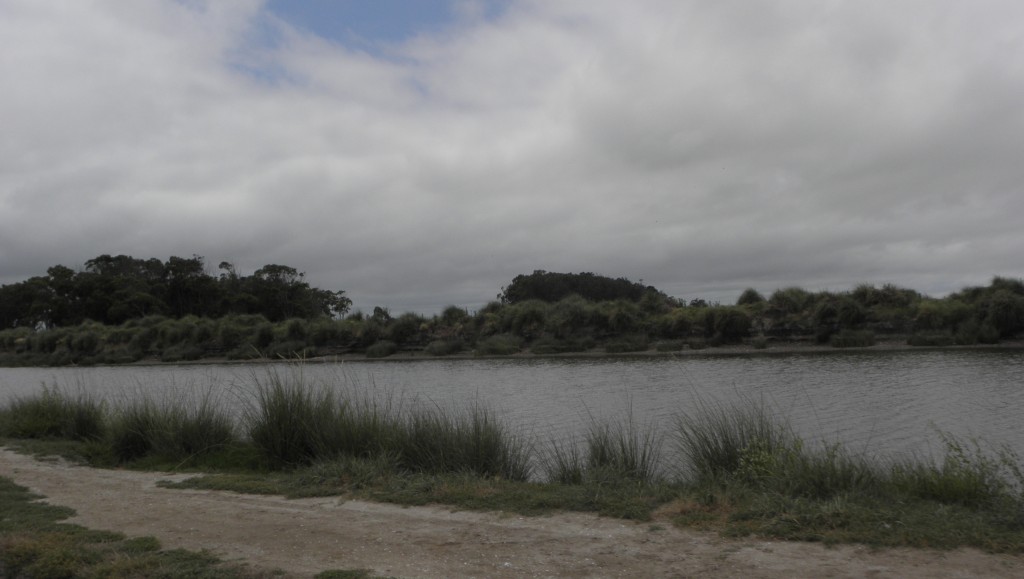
<point x="303" y="537"/>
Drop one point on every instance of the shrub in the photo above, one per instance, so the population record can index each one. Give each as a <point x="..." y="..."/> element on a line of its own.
<point x="381" y="349"/>
<point x="676" y="324"/>
<point x="528" y="318"/>
<point x="499" y="345"/>
<point x="790" y="301"/>
<point x="323" y="332"/>
<point x="852" y="339"/>
<point x="295" y="330"/>
<point x="444" y="347"/>
<point x="289" y="350"/>
<point x="178" y="353"/>
<point x="568" y="316"/>
<point x="749" y="296"/>
<point x="405" y="328"/>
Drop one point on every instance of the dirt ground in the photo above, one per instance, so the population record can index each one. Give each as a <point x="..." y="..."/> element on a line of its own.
<point x="303" y="537"/>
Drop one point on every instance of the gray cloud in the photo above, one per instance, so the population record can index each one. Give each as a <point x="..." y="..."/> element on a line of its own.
<point x="703" y="147"/>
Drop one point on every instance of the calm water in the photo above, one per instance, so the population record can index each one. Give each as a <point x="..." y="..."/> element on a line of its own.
<point x="878" y="402"/>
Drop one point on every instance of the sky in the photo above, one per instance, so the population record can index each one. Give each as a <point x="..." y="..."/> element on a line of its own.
<point x="423" y="153"/>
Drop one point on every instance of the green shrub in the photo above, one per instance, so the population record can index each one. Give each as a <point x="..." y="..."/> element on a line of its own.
<point x="444" y="347"/>
<point x="852" y="339"/>
<point x="324" y="332"/>
<point x="178" y="353"/>
<point x="676" y="324"/>
<point x="749" y="296"/>
<point x="295" y="330"/>
<point x="288" y="350"/>
<point x="759" y="343"/>
<point x="381" y="349"/>
<point x="499" y="345"/>
<point x="697" y="343"/>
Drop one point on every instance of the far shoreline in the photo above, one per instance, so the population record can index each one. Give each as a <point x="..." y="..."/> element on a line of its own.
<point x="774" y="348"/>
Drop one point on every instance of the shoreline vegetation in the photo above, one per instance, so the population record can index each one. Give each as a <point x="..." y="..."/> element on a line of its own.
<point x="737" y="469"/>
<point x="122" y="310"/>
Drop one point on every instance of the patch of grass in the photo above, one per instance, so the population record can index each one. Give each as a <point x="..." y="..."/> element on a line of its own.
<point x="35" y="543"/>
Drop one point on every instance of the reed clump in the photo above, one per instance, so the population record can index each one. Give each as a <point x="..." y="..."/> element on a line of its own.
<point x="292" y="423"/>
<point x="53" y="413"/>
<point x="179" y="429"/>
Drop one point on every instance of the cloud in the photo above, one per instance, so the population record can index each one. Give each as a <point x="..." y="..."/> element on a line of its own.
<point x="703" y="147"/>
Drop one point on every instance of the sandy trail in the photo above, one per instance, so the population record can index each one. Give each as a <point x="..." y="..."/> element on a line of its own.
<point x="303" y="537"/>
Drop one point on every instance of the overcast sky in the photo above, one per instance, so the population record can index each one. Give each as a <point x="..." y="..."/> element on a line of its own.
<point x="422" y="153"/>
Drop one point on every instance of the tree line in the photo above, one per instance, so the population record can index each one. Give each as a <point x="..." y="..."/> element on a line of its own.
<point x="273" y="313"/>
<point x="112" y="290"/>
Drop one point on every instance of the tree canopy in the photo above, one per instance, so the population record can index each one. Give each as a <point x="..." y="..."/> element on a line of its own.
<point x="114" y="289"/>
<point x="552" y="287"/>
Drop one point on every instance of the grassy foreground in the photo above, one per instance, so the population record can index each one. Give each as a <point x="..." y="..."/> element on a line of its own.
<point x="738" y="470"/>
<point x="34" y="543"/>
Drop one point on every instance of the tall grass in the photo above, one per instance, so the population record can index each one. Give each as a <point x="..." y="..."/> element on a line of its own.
<point x="294" y="422"/>
<point x="746" y="446"/>
<point x="53" y="414"/>
<point x="612" y="450"/>
<point x="291" y="422"/>
<point x="969" y="474"/>
<point x="715" y="440"/>
<point x="177" y="429"/>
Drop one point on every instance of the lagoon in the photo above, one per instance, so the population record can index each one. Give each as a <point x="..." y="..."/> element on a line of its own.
<point x="876" y="402"/>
